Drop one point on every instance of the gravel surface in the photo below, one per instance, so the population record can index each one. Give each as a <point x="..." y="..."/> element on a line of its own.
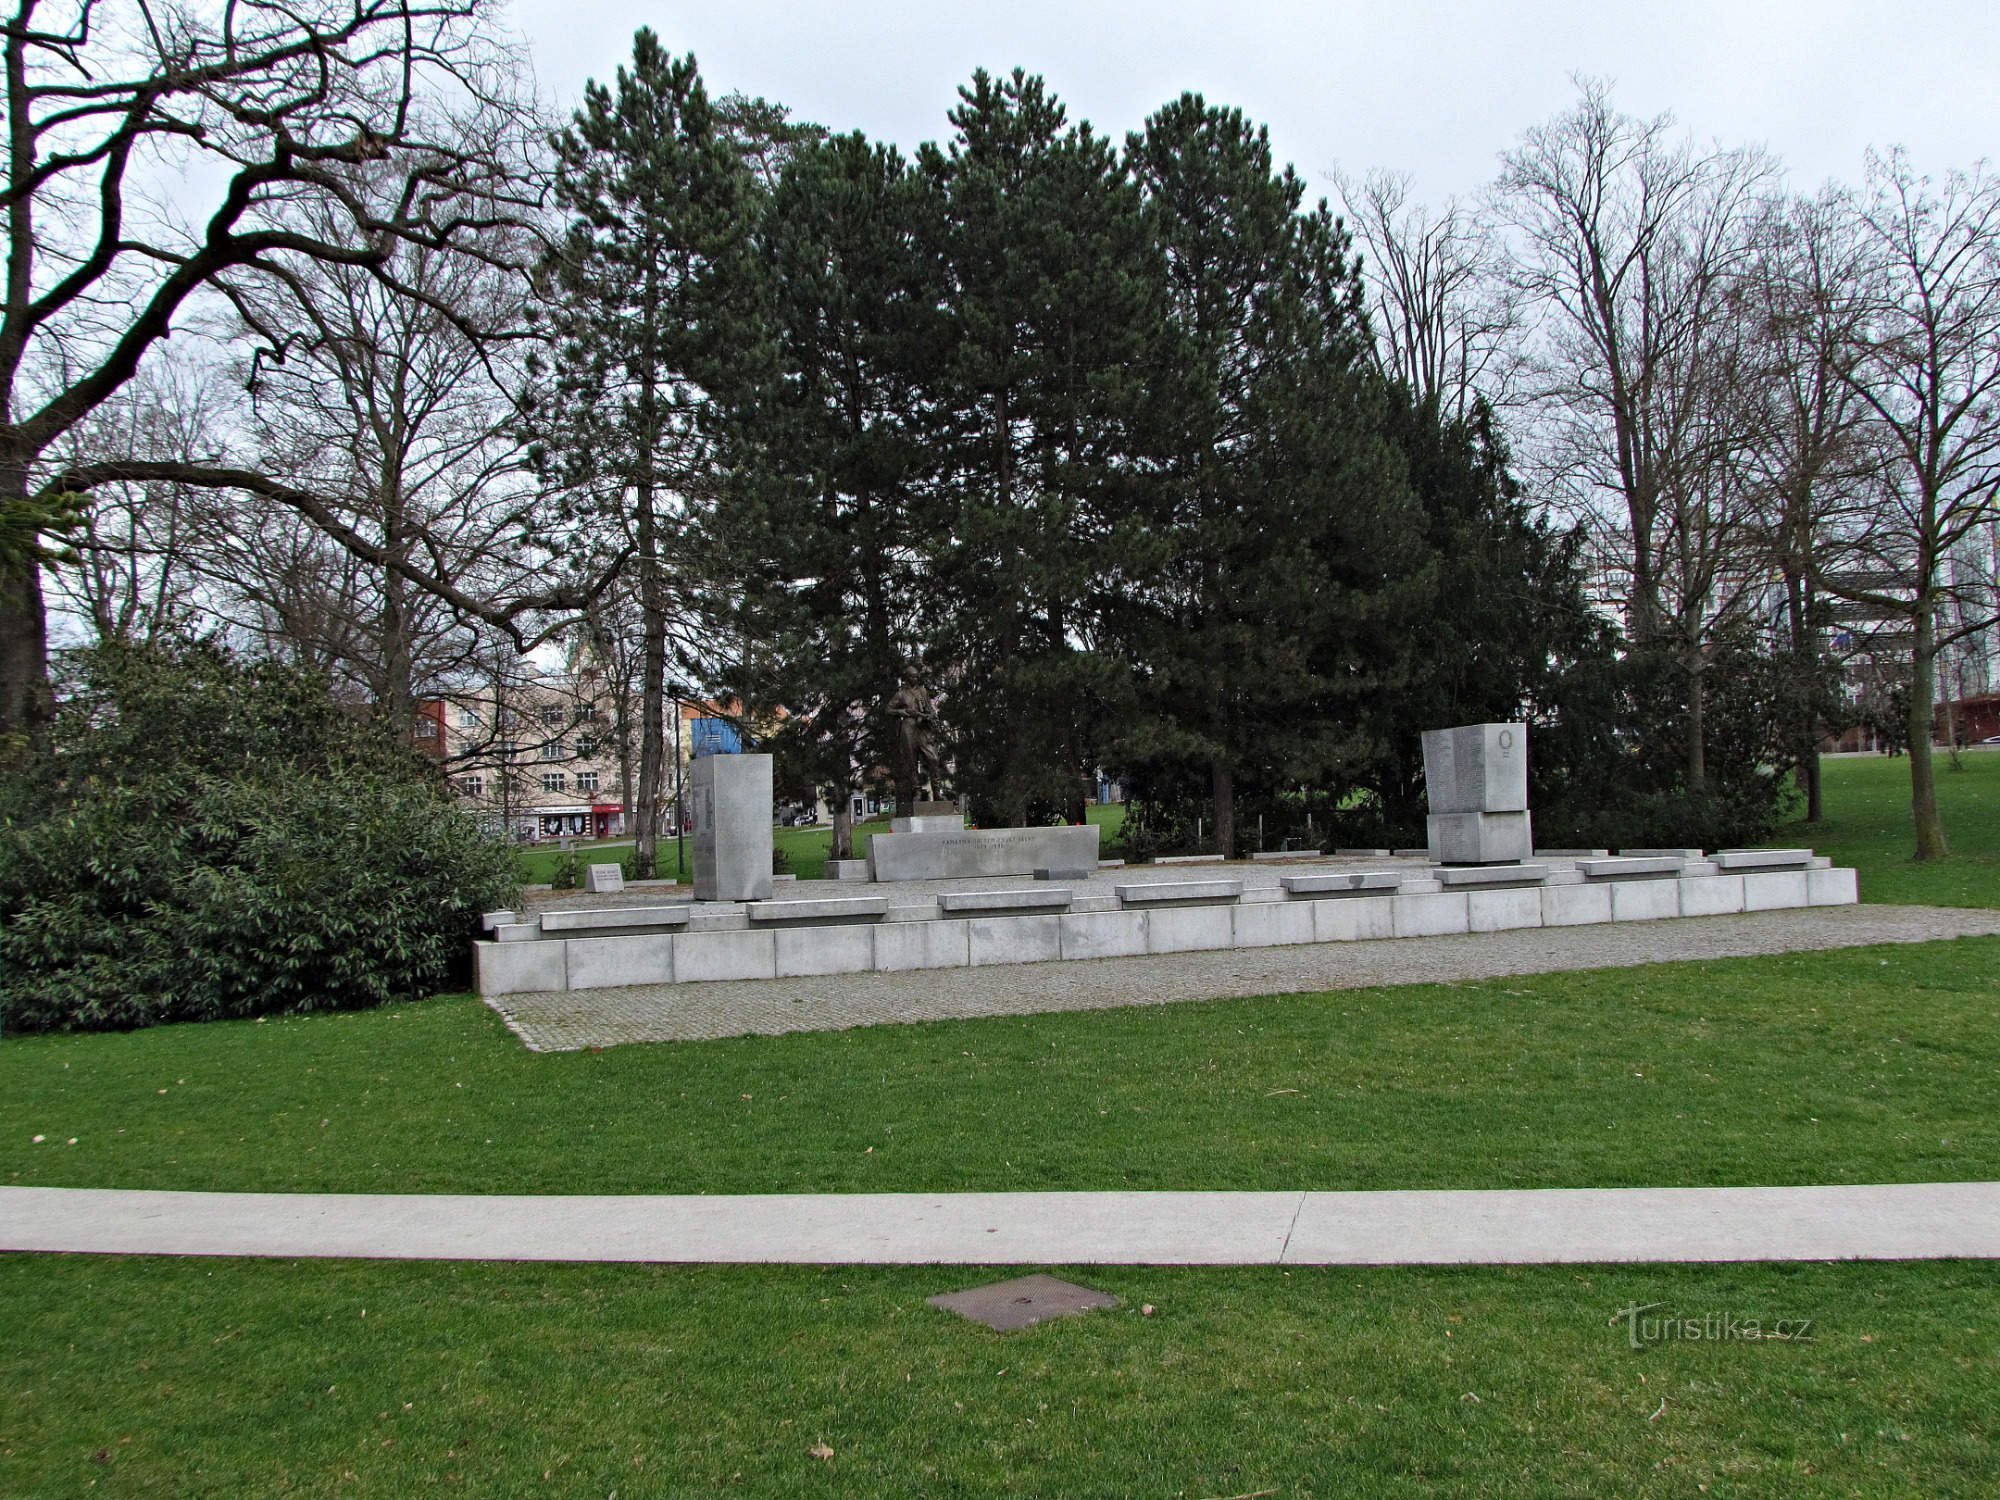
<point x="698" y="1012"/>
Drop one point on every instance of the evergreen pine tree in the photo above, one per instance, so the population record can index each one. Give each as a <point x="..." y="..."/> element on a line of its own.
<point x="827" y="453"/>
<point x="1040" y="427"/>
<point x="648" y="299"/>
<point x="1282" y="505"/>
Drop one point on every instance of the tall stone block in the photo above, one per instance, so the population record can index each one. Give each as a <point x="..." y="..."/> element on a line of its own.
<point x="1476" y="783"/>
<point x="1477" y="768"/>
<point x="730" y="806"/>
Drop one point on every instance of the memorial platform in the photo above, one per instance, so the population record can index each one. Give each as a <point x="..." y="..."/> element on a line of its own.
<point x="640" y="939"/>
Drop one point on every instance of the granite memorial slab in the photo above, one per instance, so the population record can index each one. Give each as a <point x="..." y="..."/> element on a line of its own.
<point x="730" y="807"/>
<point x="970" y="853"/>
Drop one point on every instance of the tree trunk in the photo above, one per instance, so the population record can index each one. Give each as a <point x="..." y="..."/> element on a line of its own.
<point x="1697" y="719"/>
<point x="1923" y="772"/>
<point x="1223" y="781"/>
<point x="843" y="825"/>
<point x="1798" y="608"/>
<point x="653" y="691"/>
<point x="27" y="703"/>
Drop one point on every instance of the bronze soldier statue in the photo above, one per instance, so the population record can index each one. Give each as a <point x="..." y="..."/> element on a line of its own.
<point x="916" y="716"/>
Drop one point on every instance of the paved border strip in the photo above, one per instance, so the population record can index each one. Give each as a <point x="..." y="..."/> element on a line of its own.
<point x="1913" y="1221"/>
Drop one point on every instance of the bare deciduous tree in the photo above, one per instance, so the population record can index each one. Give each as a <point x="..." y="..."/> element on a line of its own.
<point x="1918" y="326"/>
<point x="1631" y="247"/>
<point x="255" y="108"/>
<point x="1445" y="318"/>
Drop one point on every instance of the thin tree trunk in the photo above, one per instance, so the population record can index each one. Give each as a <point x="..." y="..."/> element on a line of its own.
<point x="1223" y="782"/>
<point x="1798" y="608"/>
<point x="1923" y="771"/>
<point x="1697" y="719"/>
<point x="843" y="825"/>
<point x="653" y="692"/>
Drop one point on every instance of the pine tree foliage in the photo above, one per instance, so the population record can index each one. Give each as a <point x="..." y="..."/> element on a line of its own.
<point x="649" y="301"/>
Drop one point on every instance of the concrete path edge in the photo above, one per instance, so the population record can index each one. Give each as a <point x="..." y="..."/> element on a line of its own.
<point x="1911" y="1221"/>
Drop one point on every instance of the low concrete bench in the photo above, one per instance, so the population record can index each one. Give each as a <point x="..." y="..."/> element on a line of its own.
<point x="1762" y="859"/>
<point x="1482" y="877"/>
<point x="1048" y="898"/>
<point x="1661" y="853"/>
<point x="1179" y="892"/>
<point x="1277" y="854"/>
<point x="1343" y="883"/>
<point x="612" y="921"/>
<point x="1363" y="853"/>
<point x="1655" y="867"/>
<point x="1571" y="853"/>
<point x="1188" y="859"/>
<point x="828" y="911"/>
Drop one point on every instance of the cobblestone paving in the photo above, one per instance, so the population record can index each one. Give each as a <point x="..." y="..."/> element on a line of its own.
<point x="698" y="1012"/>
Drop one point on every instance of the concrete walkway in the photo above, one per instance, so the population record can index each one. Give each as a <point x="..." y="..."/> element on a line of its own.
<point x="693" y="1012"/>
<point x="1557" y="1226"/>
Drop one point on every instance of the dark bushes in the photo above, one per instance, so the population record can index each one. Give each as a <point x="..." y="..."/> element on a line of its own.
<point x="210" y="838"/>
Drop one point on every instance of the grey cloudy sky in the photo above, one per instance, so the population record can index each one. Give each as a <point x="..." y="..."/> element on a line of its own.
<point x="1425" y="86"/>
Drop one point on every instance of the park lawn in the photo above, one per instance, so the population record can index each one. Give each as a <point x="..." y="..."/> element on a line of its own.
<point x="1859" y="1065"/>
<point x="230" y="1377"/>
<point x="1868" y="827"/>
<point x="227" y="1377"/>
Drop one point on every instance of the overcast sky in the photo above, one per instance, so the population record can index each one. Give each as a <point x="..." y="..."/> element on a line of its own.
<point x="1433" y="88"/>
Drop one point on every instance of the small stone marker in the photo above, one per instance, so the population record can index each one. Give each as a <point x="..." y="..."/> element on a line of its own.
<point x="602" y="879"/>
<point x="1006" y="1306"/>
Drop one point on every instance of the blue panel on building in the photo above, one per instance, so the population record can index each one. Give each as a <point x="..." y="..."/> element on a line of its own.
<point x="714" y="737"/>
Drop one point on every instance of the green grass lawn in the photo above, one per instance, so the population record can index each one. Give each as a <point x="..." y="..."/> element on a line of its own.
<point x="232" y="1378"/>
<point x="1868" y="826"/>
<point x="224" y="1377"/>
<point x="1849" y="1066"/>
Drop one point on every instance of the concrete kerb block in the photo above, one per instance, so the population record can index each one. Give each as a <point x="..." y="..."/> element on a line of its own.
<point x="1104" y="934"/>
<point x="1187" y="929"/>
<point x="740" y="954"/>
<point x="1762" y="859"/>
<point x="520" y="968"/>
<point x="1354" y="919"/>
<point x="1644" y="900"/>
<point x="1013" y="940"/>
<point x="802" y="951"/>
<point x="1011" y="902"/>
<point x="922" y="945"/>
<point x="602" y="962"/>
<point x="1832" y="887"/>
<point x="1168" y="892"/>
<point x="1272" y="924"/>
<point x="847" y="869"/>
<point x="1575" y="905"/>
<point x="1776" y="890"/>
<point x="1711" y="895"/>
<point x="1428" y="915"/>
<point x="1504" y="909"/>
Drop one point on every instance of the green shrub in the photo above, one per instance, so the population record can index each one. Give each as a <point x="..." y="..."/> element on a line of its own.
<point x="212" y="838"/>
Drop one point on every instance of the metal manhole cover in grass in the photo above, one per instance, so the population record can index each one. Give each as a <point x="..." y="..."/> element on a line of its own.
<point x="1022" y="1302"/>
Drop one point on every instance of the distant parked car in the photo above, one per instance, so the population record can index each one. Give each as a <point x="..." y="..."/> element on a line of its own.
<point x="1991" y="739"/>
